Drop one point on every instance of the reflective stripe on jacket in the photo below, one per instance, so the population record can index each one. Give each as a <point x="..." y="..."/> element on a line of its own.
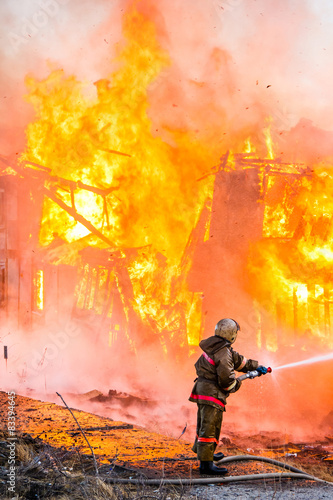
<point x="216" y="372"/>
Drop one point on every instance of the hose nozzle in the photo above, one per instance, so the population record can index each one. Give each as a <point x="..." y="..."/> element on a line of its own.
<point x="253" y="374"/>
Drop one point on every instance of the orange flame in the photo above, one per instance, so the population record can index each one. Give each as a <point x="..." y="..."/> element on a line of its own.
<point x="123" y="186"/>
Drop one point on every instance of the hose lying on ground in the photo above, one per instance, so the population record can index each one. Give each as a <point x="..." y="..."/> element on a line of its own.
<point x="238" y="458"/>
<point x="214" y="479"/>
<point x="294" y="474"/>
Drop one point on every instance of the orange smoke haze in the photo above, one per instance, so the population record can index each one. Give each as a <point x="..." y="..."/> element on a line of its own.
<point x="122" y="112"/>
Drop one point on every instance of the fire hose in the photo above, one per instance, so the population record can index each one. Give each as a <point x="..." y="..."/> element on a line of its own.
<point x="293" y="474"/>
<point x="215" y="480"/>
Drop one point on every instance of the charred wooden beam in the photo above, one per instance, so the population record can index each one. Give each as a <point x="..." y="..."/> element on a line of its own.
<point x="104" y="428"/>
<point x="70" y="183"/>
<point x="47" y="169"/>
<point x="72" y="198"/>
<point x="88" y="289"/>
<point x="76" y="215"/>
<point x="327" y="310"/>
<point x="113" y="151"/>
<point x="217" y="168"/>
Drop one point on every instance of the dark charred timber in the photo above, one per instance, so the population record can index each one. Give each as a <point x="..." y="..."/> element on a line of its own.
<point x="76" y="216"/>
<point x="123" y="399"/>
<point x="105" y="428"/>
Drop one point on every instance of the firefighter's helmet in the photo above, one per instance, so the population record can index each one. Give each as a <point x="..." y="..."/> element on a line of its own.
<point x="227" y="328"/>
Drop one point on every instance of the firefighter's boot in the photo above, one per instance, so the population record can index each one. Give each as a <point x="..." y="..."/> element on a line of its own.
<point x="218" y="456"/>
<point x="211" y="470"/>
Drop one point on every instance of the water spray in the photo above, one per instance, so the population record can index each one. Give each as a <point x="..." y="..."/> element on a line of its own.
<point x="252" y="374"/>
<point x="316" y="359"/>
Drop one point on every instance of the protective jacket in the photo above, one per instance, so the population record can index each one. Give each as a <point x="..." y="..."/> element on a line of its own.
<point x="216" y="372"/>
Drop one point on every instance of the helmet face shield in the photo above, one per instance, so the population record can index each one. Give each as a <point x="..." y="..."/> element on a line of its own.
<point x="227" y="328"/>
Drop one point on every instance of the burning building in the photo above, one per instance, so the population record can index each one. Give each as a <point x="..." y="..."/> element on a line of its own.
<point x="250" y="211"/>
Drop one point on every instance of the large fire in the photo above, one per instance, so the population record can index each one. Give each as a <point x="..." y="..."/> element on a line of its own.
<point x="106" y="164"/>
<point x="113" y="172"/>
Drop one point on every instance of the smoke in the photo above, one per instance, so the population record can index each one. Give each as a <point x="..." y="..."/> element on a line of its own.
<point x="234" y="63"/>
<point x="73" y="360"/>
<point x="240" y="65"/>
<point x="40" y="35"/>
<point x="236" y="67"/>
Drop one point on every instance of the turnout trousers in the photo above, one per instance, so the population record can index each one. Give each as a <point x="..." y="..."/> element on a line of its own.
<point x="209" y="422"/>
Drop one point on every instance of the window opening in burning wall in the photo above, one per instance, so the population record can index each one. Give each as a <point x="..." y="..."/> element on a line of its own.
<point x="113" y="333"/>
<point x="97" y="294"/>
<point x="2" y="285"/>
<point x="95" y="286"/>
<point x="38" y="290"/>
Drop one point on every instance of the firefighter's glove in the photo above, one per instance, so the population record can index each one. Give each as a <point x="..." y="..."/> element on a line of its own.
<point x="262" y="370"/>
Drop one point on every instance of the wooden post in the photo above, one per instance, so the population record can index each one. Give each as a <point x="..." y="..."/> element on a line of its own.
<point x="295" y="308"/>
<point x="327" y="310"/>
<point x="279" y="322"/>
<point x="88" y="288"/>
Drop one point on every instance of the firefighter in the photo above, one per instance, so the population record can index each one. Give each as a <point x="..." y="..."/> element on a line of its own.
<point x="215" y="381"/>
